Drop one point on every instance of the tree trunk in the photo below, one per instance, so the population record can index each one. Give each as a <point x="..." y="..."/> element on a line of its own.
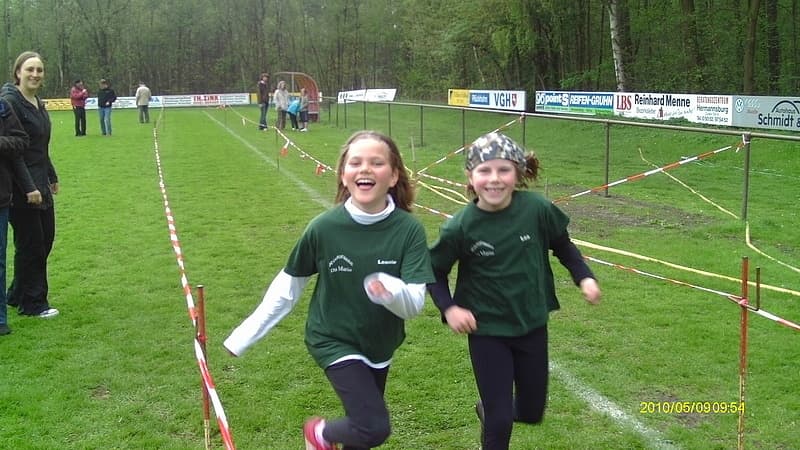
<point x="695" y="62"/>
<point x="6" y="59"/>
<point x="617" y="45"/>
<point x="773" y="46"/>
<point x="748" y="85"/>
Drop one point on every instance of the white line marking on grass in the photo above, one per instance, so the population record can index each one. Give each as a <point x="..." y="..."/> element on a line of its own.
<point x="315" y="196"/>
<point x="595" y="400"/>
<point x="605" y="406"/>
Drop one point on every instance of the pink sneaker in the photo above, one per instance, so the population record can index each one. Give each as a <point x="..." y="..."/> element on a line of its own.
<point x="313" y="442"/>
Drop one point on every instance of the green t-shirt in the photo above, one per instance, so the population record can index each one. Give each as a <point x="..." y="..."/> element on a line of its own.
<point x="341" y="318"/>
<point x="504" y="273"/>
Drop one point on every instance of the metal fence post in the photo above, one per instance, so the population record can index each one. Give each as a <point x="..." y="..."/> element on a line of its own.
<point x="746" y="138"/>
<point x="608" y="156"/>
<point x="421" y="138"/>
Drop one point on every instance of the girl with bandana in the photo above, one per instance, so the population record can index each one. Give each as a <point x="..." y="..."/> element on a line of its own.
<point x="504" y="289"/>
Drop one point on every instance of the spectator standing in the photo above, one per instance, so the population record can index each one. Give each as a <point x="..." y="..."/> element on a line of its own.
<point x="32" y="213"/>
<point x="105" y="99"/>
<point x="263" y="100"/>
<point x="143" y="96"/>
<point x="304" y="109"/>
<point x="77" y="96"/>
<point x="13" y="142"/>
<point x="281" y="99"/>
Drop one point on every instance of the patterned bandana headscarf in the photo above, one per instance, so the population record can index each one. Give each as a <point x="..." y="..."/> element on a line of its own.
<point x="494" y="146"/>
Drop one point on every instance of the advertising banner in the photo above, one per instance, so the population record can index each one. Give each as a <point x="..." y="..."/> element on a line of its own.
<point x="157" y="101"/>
<point x="774" y="113"/>
<point x="654" y="106"/>
<point x="505" y="100"/>
<point x="588" y="103"/>
<point x="366" y="95"/>
<point x="458" y="97"/>
<point x="713" y="110"/>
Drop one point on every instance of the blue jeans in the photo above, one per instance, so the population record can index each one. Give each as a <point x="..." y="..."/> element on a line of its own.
<point x="144" y="115"/>
<point x="3" y="243"/>
<point x="262" y="121"/>
<point x="105" y="120"/>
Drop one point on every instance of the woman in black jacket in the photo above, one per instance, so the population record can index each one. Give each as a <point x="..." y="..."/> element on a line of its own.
<point x="13" y="141"/>
<point x="33" y="223"/>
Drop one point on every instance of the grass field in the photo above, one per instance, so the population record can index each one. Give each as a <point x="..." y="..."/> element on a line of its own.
<point x="117" y="369"/>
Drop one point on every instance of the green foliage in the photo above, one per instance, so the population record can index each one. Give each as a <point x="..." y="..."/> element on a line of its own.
<point x="117" y="368"/>
<point x="421" y="47"/>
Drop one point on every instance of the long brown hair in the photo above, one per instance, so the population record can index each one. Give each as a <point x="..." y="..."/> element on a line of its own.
<point x="24" y="56"/>
<point x="402" y="193"/>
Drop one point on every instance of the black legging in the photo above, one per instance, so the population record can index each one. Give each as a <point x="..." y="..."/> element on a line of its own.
<point x="366" y="421"/>
<point x="511" y="374"/>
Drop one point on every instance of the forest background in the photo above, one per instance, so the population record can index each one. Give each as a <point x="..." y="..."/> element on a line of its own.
<point x="420" y="47"/>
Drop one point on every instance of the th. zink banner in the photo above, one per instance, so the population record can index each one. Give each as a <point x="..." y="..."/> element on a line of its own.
<point x="775" y="113"/>
<point x="157" y="101"/>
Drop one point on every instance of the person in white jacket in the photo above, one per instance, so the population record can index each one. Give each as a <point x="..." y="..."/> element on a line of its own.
<point x="372" y="264"/>
<point x="281" y="99"/>
<point x="143" y="96"/>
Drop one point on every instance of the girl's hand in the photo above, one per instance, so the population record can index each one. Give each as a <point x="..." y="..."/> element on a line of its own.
<point x="376" y="291"/>
<point x="460" y="320"/>
<point x="590" y="290"/>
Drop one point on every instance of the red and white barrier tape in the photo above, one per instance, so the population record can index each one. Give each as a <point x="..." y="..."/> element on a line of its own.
<point x="739" y="300"/>
<point x="208" y="382"/>
<point x="639" y="176"/>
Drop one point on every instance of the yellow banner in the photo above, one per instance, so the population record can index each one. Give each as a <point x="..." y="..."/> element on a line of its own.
<point x="57" y="104"/>
<point x="458" y="97"/>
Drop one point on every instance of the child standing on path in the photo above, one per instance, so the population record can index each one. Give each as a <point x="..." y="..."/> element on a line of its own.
<point x="372" y="264"/>
<point x="292" y="110"/>
<point x="304" y="109"/>
<point x="505" y="288"/>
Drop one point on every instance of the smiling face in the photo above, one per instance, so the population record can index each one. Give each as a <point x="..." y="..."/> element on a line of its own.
<point x="494" y="182"/>
<point x="367" y="173"/>
<point x="30" y="75"/>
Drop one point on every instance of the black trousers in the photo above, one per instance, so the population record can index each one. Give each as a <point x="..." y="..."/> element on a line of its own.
<point x="511" y="374"/>
<point x="34" y="232"/>
<point x="80" y="120"/>
<point x="366" y="421"/>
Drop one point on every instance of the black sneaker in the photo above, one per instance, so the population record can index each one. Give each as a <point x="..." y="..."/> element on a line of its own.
<point x="479" y="413"/>
<point x="4" y="330"/>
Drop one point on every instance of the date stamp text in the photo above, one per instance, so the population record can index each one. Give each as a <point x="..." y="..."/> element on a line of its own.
<point x="688" y="407"/>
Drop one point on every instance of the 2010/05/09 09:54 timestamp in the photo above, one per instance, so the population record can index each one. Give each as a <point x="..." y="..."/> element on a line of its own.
<point x="687" y="407"/>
